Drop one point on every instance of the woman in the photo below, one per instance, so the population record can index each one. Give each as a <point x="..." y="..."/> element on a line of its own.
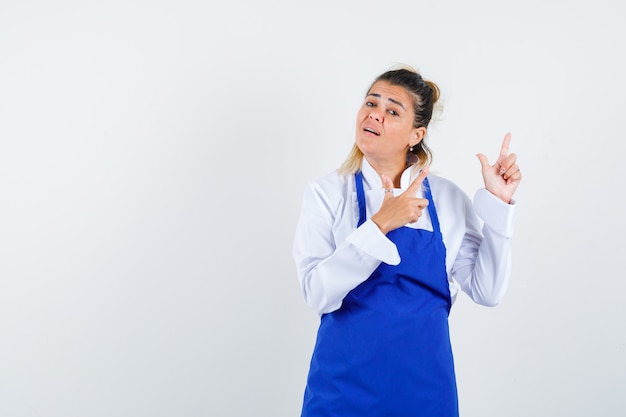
<point x="380" y="248"/>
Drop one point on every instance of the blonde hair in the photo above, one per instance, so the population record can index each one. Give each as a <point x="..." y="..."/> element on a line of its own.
<point x="425" y="95"/>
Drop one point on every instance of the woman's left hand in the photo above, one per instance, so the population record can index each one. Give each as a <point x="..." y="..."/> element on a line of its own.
<point x="503" y="177"/>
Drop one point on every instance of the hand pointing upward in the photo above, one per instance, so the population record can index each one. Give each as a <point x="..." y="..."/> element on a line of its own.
<point x="503" y="177"/>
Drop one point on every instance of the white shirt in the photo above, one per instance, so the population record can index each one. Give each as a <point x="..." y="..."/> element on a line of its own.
<point x="333" y="256"/>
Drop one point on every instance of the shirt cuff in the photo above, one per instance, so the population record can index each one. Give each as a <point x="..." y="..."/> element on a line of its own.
<point x="368" y="239"/>
<point x="496" y="214"/>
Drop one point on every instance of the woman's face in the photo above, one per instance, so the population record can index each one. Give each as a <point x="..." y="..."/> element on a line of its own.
<point x="384" y="125"/>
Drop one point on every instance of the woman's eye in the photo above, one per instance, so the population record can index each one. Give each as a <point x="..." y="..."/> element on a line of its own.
<point x="393" y="112"/>
<point x="369" y="104"/>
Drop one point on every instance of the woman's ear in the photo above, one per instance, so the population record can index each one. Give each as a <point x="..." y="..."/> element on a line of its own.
<point x="417" y="136"/>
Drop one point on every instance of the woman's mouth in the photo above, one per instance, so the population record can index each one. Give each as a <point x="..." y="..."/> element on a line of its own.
<point x="370" y="130"/>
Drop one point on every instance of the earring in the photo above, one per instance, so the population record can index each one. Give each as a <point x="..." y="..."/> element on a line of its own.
<point x="411" y="149"/>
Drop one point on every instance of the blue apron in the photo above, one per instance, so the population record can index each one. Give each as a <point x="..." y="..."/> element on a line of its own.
<point x="386" y="351"/>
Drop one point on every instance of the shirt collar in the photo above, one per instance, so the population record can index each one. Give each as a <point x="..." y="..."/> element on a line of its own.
<point x="373" y="180"/>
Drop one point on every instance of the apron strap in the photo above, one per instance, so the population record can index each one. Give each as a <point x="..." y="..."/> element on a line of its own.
<point x="431" y="207"/>
<point x="360" y="196"/>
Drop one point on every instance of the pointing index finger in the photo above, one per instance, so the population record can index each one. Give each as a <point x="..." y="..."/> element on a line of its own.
<point x="504" y="150"/>
<point x="417" y="182"/>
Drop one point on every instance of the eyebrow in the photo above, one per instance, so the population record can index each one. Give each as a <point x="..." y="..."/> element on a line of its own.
<point x="390" y="99"/>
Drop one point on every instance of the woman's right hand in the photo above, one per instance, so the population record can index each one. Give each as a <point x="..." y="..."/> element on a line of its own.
<point x="406" y="208"/>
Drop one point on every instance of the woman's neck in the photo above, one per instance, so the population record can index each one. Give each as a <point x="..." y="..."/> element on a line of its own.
<point x="393" y="170"/>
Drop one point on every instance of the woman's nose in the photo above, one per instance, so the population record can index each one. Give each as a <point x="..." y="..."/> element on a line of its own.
<point x="375" y="116"/>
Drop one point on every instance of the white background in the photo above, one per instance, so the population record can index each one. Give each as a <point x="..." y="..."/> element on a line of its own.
<point x="152" y="159"/>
